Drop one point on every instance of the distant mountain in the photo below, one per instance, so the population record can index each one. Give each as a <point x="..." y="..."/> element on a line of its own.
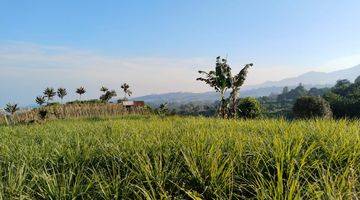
<point x="309" y="79"/>
<point x="315" y="78"/>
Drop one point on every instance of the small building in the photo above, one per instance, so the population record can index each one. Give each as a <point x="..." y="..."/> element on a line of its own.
<point x="129" y="104"/>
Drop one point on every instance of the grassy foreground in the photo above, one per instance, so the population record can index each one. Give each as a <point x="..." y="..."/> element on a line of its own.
<point x="180" y="158"/>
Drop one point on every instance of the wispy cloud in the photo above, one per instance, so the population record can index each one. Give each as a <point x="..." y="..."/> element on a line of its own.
<point x="25" y="69"/>
<point x="35" y="67"/>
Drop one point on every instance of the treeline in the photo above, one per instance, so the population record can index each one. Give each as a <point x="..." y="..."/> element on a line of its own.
<point x="49" y="107"/>
<point x="343" y="100"/>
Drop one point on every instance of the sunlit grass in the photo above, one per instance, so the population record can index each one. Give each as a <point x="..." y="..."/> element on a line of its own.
<point x="147" y="157"/>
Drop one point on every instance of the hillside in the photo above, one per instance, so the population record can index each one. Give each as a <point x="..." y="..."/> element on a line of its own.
<point x="309" y="79"/>
<point x="315" y="78"/>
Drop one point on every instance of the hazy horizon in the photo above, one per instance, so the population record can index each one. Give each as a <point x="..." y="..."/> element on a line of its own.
<point x="159" y="46"/>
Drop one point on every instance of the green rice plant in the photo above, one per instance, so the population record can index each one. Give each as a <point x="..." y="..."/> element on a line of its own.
<point x="151" y="157"/>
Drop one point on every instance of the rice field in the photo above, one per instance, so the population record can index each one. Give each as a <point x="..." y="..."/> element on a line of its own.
<point x="147" y="157"/>
<point x="73" y="111"/>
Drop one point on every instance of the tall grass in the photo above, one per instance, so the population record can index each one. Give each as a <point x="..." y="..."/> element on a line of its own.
<point x="137" y="157"/>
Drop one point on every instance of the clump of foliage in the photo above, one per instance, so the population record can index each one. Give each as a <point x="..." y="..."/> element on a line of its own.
<point x="108" y="94"/>
<point x="49" y="93"/>
<point x="344" y="99"/>
<point x="222" y="80"/>
<point x="42" y="114"/>
<point x="40" y="100"/>
<point x="280" y="105"/>
<point x="81" y="90"/>
<point x="11" y="109"/>
<point x="163" y="110"/>
<point x="61" y="92"/>
<point x="308" y="107"/>
<point x="249" y="108"/>
<point x="126" y="89"/>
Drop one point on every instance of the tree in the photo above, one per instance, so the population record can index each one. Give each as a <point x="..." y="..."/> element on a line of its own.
<point x="104" y="89"/>
<point x="308" y="107"/>
<point x="61" y="92"/>
<point x="49" y="93"/>
<point x="11" y="110"/>
<point x="163" y="110"/>
<point x="221" y="80"/>
<point x="237" y="81"/>
<point x="108" y="95"/>
<point x="341" y="87"/>
<point x="40" y="100"/>
<point x="249" y="108"/>
<point x="81" y="90"/>
<point x="285" y="90"/>
<point x="126" y="89"/>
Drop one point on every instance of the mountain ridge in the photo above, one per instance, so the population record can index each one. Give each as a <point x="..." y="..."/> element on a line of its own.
<point x="308" y="79"/>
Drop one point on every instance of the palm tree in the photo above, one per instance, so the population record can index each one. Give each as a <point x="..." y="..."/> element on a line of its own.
<point x="104" y="89"/>
<point x="49" y="93"/>
<point x="81" y="90"/>
<point x="11" y="110"/>
<point x="126" y="90"/>
<point x="61" y="92"/>
<point x="40" y="100"/>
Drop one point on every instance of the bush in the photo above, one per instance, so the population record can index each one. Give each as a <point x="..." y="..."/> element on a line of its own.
<point x="311" y="107"/>
<point x="249" y="108"/>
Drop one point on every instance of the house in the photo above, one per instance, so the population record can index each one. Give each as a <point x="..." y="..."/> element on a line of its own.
<point x="130" y="104"/>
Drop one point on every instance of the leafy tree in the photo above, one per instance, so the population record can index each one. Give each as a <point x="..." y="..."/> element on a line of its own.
<point x="248" y="108"/>
<point x="292" y="95"/>
<point x="221" y="80"/>
<point x="11" y="110"/>
<point x="344" y="99"/>
<point x="311" y="107"/>
<point x="61" y="92"/>
<point x="163" y="110"/>
<point x="40" y="100"/>
<point x="285" y="90"/>
<point x="49" y="93"/>
<point x="108" y="95"/>
<point x="126" y="89"/>
<point x="341" y="87"/>
<point x="317" y="91"/>
<point x="81" y="90"/>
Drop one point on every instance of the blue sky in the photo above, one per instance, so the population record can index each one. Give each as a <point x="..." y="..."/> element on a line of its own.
<point x="157" y="46"/>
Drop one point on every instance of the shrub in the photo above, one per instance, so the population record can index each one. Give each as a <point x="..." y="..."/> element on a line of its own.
<point x="311" y="107"/>
<point x="249" y="108"/>
<point x="42" y="114"/>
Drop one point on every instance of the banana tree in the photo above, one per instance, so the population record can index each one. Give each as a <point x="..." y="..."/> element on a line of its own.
<point x="237" y="81"/>
<point x="220" y="80"/>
